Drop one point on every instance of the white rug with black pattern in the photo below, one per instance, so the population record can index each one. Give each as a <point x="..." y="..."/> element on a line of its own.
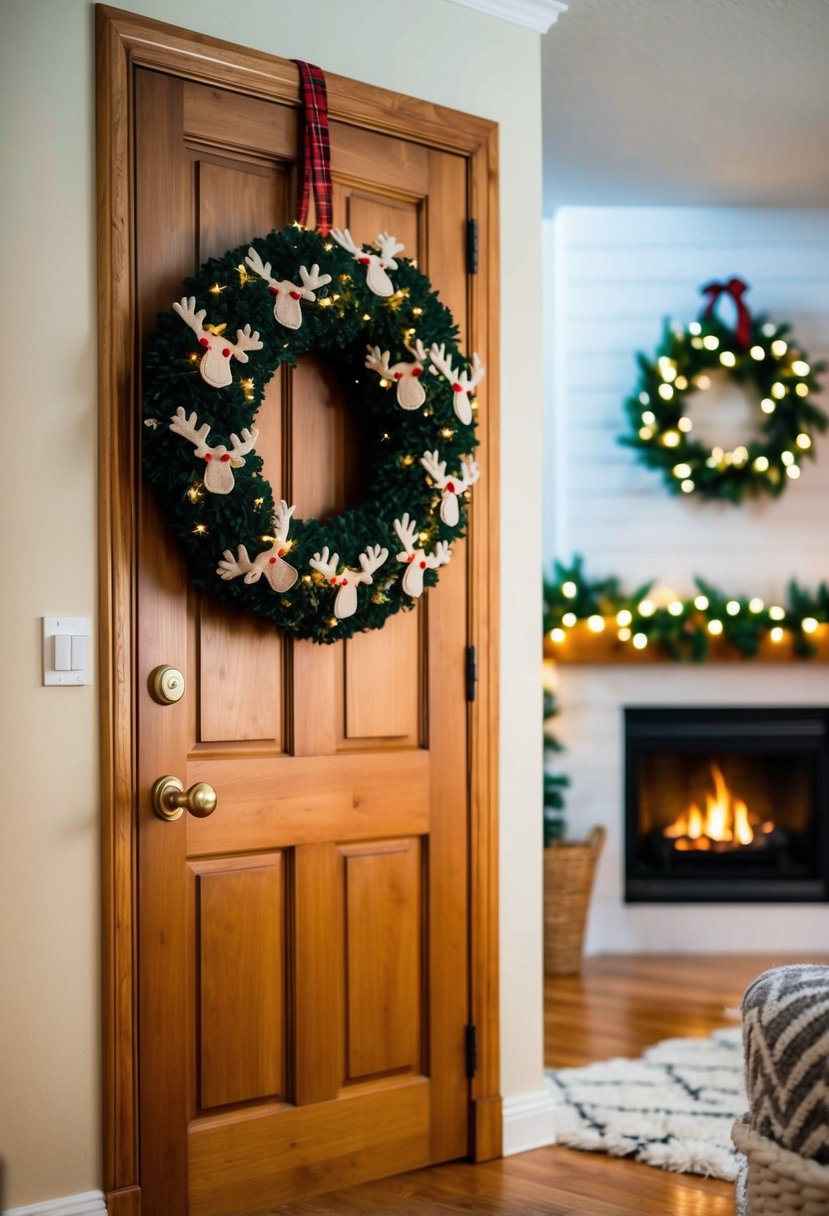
<point x="673" y="1107"/>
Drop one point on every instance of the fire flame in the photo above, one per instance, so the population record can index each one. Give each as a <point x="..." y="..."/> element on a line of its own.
<point x="724" y="822"/>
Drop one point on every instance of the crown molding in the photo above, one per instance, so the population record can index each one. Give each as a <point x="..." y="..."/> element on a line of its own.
<point x="538" y="15"/>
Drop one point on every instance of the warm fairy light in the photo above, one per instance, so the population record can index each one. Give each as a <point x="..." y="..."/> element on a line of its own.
<point x="247" y="389"/>
<point x="648" y="417"/>
<point x="417" y="311"/>
<point x="257" y="502"/>
<point x="769" y="329"/>
<point x="640" y="640"/>
<point x="685" y="425"/>
<point x="624" y="616"/>
<point x="809" y="624"/>
<point x="328" y="246"/>
<point x="569" y="589"/>
<point x="728" y="358"/>
<point x="423" y="537"/>
<point x="385" y="383"/>
<point x="701" y="602"/>
<point x="333" y="622"/>
<point x="710" y="341"/>
<point x="761" y="464"/>
<point x="703" y="381"/>
<point x="666" y="369"/>
<point x="695" y="328"/>
<point x="740" y="455"/>
<point x="779" y="348"/>
<point x="800" y="367"/>
<point x="778" y="390"/>
<point x="645" y="432"/>
<point x="676" y="607"/>
<point x="407" y="460"/>
<point x="756" y="604"/>
<point x="671" y="439"/>
<point x="776" y="634"/>
<point x="686" y="486"/>
<point x="194" y="358"/>
<point x="777" y="613"/>
<point x="595" y="624"/>
<point x="569" y="619"/>
<point x="200" y="529"/>
<point x="666" y="392"/>
<point x="801" y="389"/>
<point x="306" y="578"/>
<point x="803" y="441"/>
<point x="447" y="432"/>
<point x="557" y="635"/>
<point x="787" y="457"/>
<point x="681" y="383"/>
<point x="644" y="398"/>
<point x="715" y="628"/>
<point x="696" y="343"/>
<point x="194" y="493"/>
<point x="647" y="608"/>
<point x="682" y="470"/>
<point x="624" y="634"/>
<point x="757" y="352"/>
<point x="732" y="607"/>
<point x="366" y="316"/>
<point x="793" y="472"/>
<point x="767" y="405"/>
<point x="216" y="289"/>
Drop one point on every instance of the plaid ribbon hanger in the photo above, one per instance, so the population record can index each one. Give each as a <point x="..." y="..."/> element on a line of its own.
<point x="316" y="148"/>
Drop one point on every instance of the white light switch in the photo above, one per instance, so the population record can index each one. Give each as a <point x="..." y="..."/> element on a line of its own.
<point x="66" y="650"/>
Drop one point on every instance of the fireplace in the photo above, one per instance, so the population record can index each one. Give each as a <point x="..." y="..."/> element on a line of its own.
<point x="726" y="805"/>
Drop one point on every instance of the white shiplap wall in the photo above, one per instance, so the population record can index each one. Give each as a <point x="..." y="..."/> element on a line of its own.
<point x="614" y="274"/>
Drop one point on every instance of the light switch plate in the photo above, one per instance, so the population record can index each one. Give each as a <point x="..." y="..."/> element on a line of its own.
<point x="71" y="626"/>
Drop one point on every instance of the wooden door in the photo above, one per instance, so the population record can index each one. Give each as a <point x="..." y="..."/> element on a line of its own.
<point x="303" y="952"/>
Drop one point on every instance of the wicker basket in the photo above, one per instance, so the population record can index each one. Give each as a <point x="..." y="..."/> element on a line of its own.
<point x="778" y="1182"/>
<point x="568" y="881"/>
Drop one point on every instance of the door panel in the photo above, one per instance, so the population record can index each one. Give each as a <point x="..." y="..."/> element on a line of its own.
<point x="304" y="950"/>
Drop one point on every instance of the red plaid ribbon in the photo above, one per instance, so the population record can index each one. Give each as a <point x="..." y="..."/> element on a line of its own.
<point x="316" y="149"/>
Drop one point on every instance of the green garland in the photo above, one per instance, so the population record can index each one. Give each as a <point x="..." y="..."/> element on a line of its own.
<point x="339" y="320"/>
<point x="682" y="628"/>
<point x="768" y="361"/>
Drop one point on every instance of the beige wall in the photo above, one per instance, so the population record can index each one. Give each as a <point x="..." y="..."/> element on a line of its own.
<point x="50" y="1120"/>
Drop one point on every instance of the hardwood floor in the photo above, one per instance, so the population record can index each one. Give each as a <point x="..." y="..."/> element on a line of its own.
<point x="618" y="1006"/>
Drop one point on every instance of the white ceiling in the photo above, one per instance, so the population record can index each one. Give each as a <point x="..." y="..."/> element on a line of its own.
<point x="694" y="102"/>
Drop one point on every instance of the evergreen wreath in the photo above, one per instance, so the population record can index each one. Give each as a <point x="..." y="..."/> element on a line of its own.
<point x="394" y="345"/>
<point x="757" y="353"/>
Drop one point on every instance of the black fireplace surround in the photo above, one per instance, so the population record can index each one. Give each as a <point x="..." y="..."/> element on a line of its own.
<point x="759" y="776"/>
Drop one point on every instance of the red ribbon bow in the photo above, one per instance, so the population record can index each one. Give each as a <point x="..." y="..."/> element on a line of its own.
<point x="735" y="288"/>
<point x="316" y="148"/>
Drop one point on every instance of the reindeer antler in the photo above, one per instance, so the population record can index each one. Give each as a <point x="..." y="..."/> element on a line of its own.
<point x="378" y="361"/>
<point x="255" y="262"/>
<point x="282" y="520"/>
<point x="440" y="555"/>
<point x="232" y="567"/>
<point x="471" y="472"/>
<point x="407" y="534"/>
<point x="187" y="311"/>
<point x="321" y="562"/>
<point x="435" y="467"/>
<point x="311" y="280"/>
<point x="245" y="340"/>
<point x="371" y="559"/>
<point x="241" y="447"/>
<point x="186" y="427"/>
<point x="478" y="372"/>
<point x="418" y="350"/>
<point x="389" y="246"/>
<point x="439" y="358"/>
<point x="344" y="238"/>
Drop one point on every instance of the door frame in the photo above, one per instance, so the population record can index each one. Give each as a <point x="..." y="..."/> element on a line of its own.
<point x="124" y="42"/>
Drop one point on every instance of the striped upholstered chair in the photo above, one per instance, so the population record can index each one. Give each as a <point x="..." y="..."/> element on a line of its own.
<point x="785" y="1135"/>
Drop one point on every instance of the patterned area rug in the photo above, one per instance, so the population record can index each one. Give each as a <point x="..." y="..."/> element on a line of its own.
<point x="673" y="1107"/>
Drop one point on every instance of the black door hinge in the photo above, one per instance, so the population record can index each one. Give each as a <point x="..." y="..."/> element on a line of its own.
<point x="471" y="246"/>
<point x="471" y="1039"/>
<point x="471" y="673"/>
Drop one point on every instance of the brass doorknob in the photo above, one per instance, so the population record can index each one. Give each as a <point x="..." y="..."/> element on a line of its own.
<point x="171" y="799"/>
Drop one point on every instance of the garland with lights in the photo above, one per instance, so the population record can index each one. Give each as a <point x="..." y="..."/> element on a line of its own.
<point x="379" y="324"/>
<point x="757" y="353"/>
<point x="682" y="628"/>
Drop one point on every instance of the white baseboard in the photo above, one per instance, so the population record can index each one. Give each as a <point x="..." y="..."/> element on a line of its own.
<point x="528" y="1121"/>
<point x="90" y="1203"/>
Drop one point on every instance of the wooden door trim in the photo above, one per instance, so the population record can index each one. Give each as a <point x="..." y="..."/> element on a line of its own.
<point x="123" y="43"/>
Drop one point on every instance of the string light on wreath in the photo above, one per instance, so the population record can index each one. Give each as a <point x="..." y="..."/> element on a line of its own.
<point x="284" y="296"/>
<point x="680" y="628"/>
<point x="757" y="354"/>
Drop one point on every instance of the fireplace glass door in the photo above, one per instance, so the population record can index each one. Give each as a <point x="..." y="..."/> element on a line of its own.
<point x="725" y="805"/>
